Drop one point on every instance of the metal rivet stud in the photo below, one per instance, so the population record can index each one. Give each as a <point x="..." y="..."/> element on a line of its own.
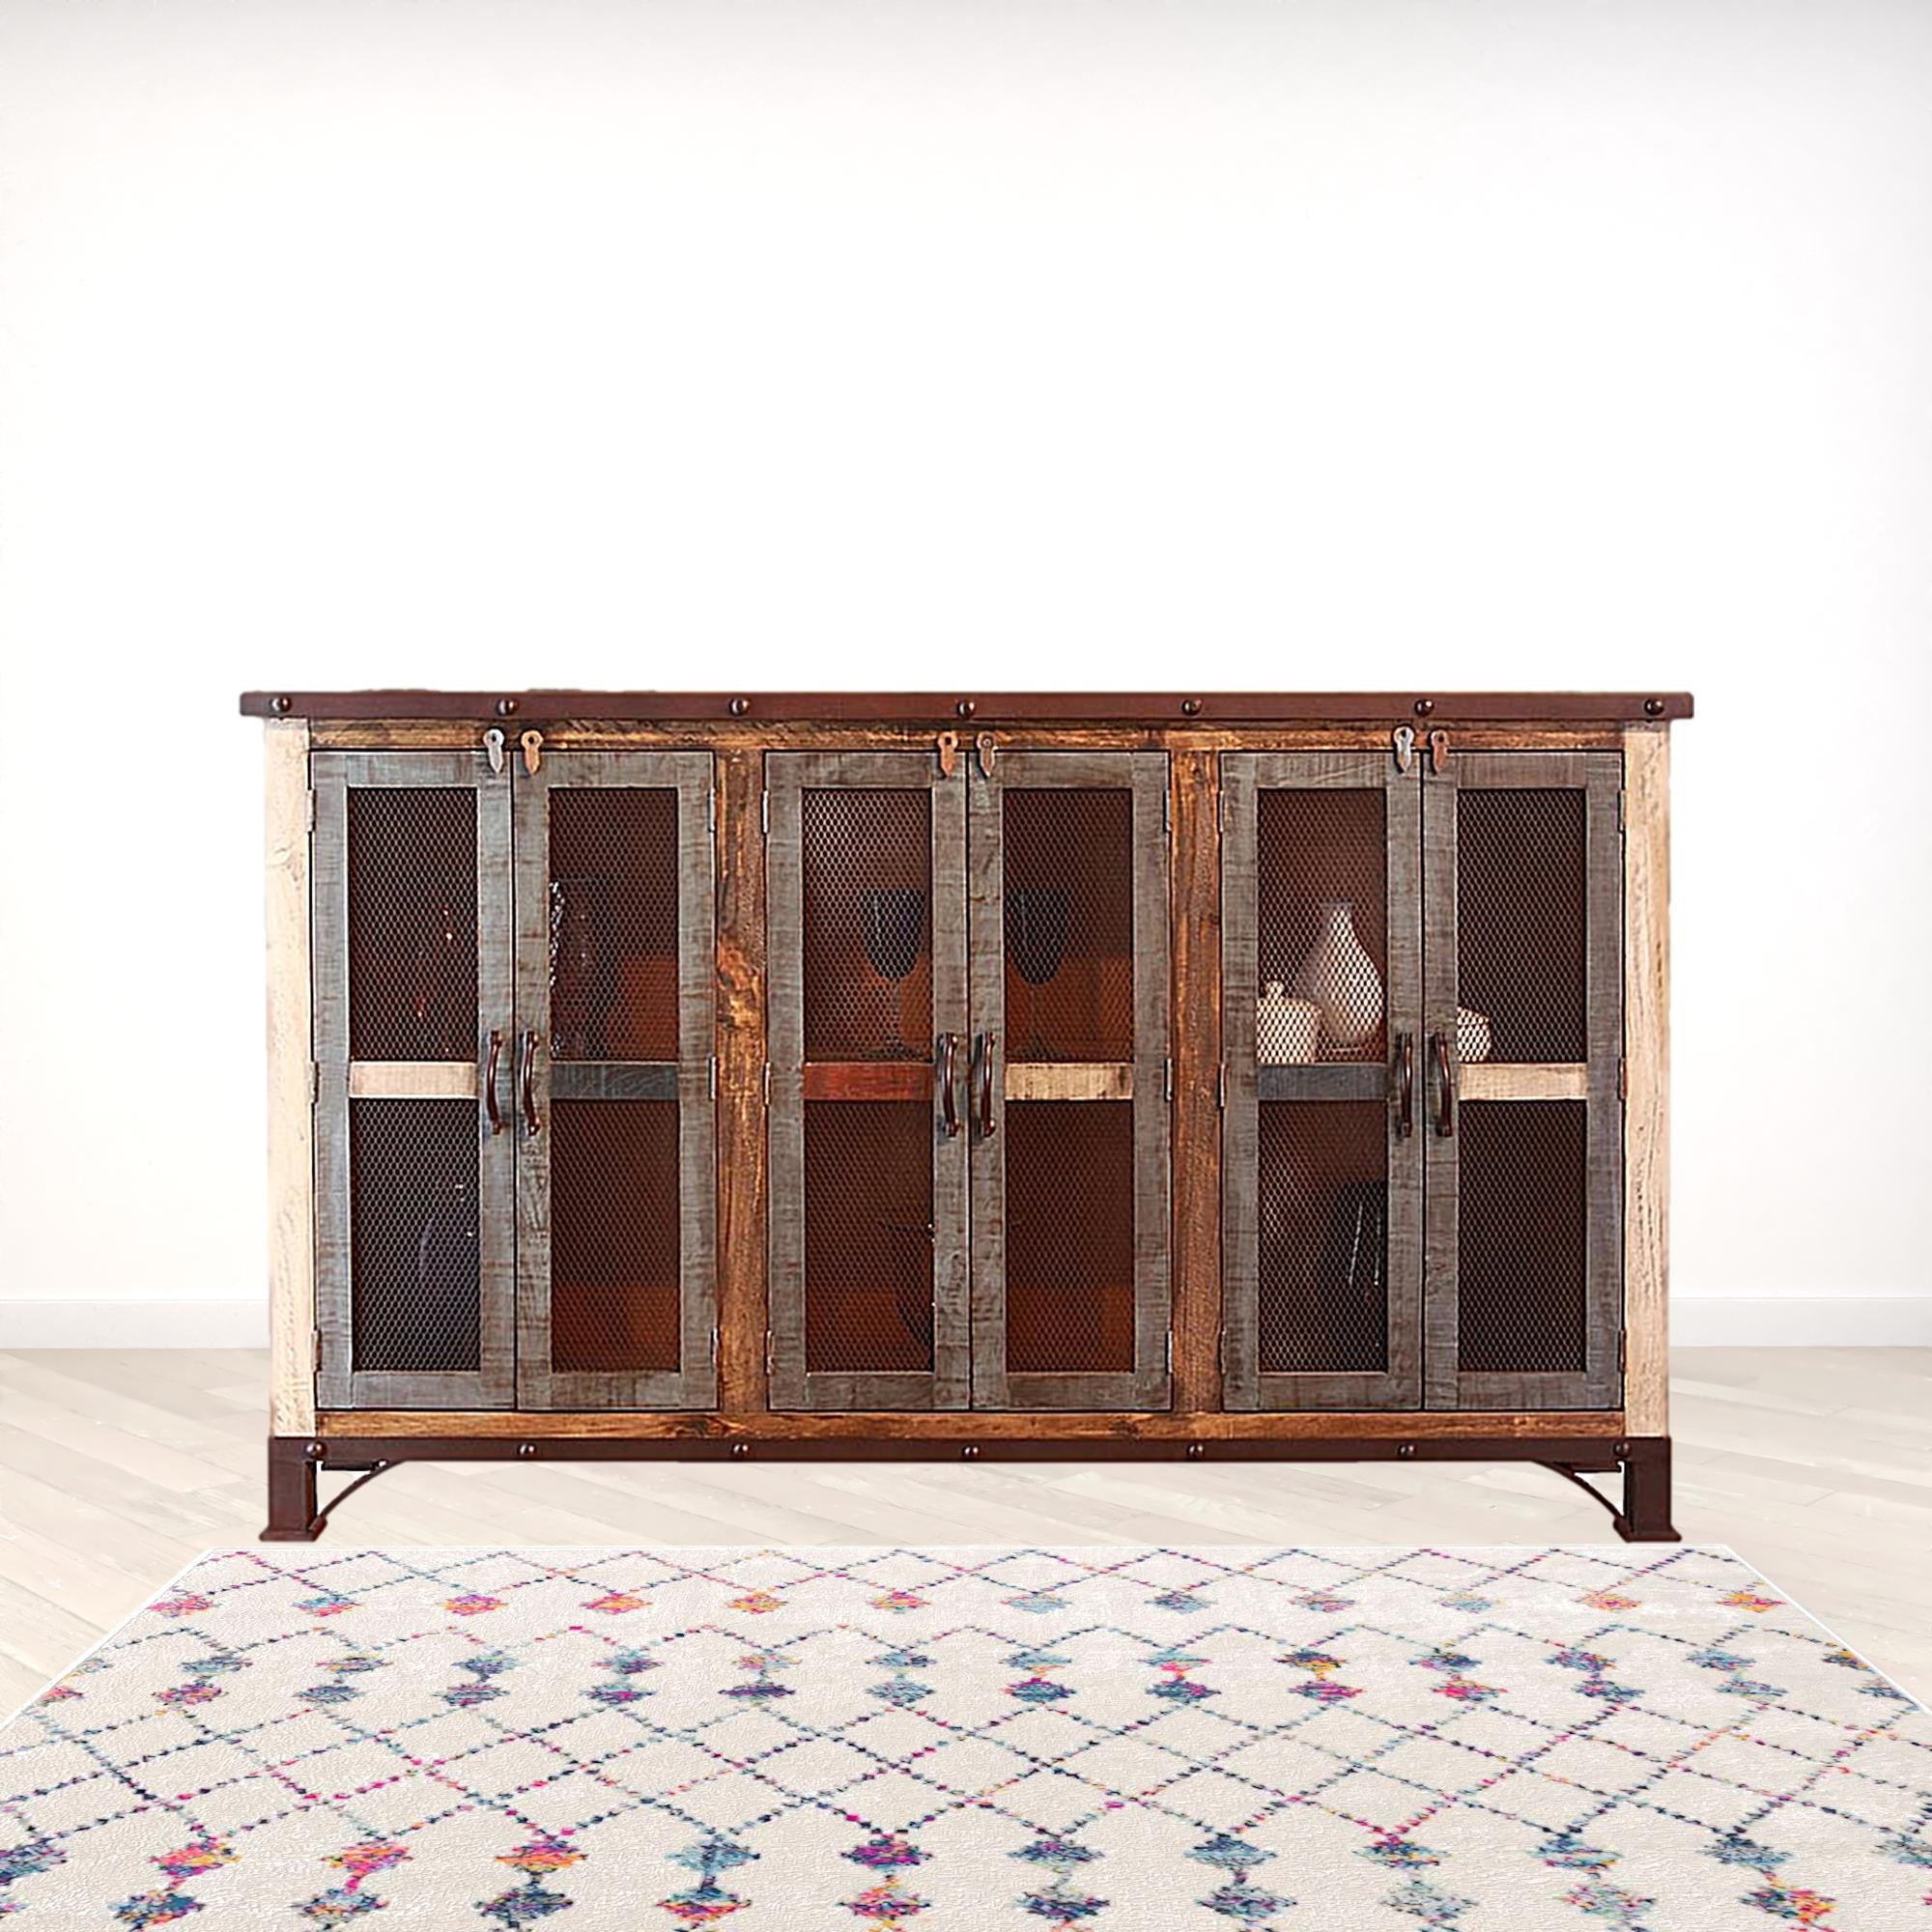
<point x="1190" y="708"/>
<point x="1424" y="707"/>
<point x="526" y="1450"/>
<point x="739" y="706"/>
<point x="506" y="707"/>
<point x="1652" y="707"/>
<point x="1195" y="1450"/>
<point x="740" y="1450"/>
<point x="1405" y="1449"/>
<point x="965" y="707"/>
<point x="316" y="1451"/>
<point x="1620" y="1450"/>
<point x="281" y="706"/>
<point x="971" y="1452"/>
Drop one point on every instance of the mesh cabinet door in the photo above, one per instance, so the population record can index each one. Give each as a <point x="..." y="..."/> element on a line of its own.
<point x="1523" y="861"/>
<point x="415" y="1210"/>
<point x="1321" y="1150"/>
<point x="1069" y="867"/>
<point x="616" y="987"/>
<point x="866" y="889"/>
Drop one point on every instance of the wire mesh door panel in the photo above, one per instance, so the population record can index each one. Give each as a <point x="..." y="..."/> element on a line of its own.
<point x="414" y="1191"/>
<point x="1069" y="1104"/>
<point x="614" y="1118"/>
<point x="1321" y="1156"/>
<point x="1523" y="863"/>
<point x="866" y="884"/>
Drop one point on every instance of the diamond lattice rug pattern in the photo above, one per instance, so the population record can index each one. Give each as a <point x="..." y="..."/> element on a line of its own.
<point x="1122" y="1739"/>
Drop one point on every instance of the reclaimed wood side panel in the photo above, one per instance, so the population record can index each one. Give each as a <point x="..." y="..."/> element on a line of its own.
<point x="1646" y="1196"/>
<point x="291" y="1050"/>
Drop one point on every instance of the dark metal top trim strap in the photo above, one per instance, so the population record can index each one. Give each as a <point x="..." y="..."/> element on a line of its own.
<point x="1205" y="709"/>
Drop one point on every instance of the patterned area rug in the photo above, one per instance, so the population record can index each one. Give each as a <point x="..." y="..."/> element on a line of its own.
<point x="1117" y="1739"/>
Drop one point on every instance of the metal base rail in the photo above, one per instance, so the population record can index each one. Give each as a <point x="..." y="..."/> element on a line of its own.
<point x="295" y="1462"/>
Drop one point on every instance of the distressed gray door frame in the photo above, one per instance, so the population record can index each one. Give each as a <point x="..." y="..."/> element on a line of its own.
<point x="688" y="1080"/>
<point x="1148" y="1385"/>
<point x="1246" y="1083"/>
<point x="948" y="1385"/>
<point x="340" y="1382"/>
<point x="1598" y="776"/>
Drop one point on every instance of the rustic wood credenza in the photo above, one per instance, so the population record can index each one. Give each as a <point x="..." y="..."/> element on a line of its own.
<point x="990" y="1076"/>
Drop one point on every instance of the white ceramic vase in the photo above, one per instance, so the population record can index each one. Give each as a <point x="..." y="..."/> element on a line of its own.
<point x="1341" y="979"/>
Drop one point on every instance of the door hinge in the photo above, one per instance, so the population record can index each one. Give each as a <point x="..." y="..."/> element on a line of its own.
<point x="1221" y="1087"/>
<point x="1167" y="812"/>
<point x="767" y="1086"/>
<point x="768" y="1353"/>
<point x="311" y="812"/>
<point x="314" y="1083"/>
<point x="765" y="814"/>
<point x="1167" y="1355"/>
<point x="714" y="1344"/>
<point x="1167" y="1083"/>
<point x="1623" y="1351"/>
<point x="711" y="810"/>
<point x="711" y="1077"/>
<point x="315" y="1352"/>
<point x="1623" y="1076"/>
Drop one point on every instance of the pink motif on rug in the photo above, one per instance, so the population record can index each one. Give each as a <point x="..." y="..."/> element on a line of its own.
<point x="1115" y="1740"/>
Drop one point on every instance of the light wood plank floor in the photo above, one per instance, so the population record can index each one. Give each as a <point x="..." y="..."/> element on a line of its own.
<point x="117" y="1468"/>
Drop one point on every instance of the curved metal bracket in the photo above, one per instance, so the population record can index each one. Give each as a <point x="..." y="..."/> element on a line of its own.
<point x="294" y="1513"/>
<point x="1590" y="1490"/>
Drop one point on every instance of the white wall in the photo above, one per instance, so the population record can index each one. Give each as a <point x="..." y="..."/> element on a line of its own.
<point x="1272" y="345"/>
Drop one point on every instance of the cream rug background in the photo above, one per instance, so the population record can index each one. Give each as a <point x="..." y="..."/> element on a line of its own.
<point x="1123" y="1739"/>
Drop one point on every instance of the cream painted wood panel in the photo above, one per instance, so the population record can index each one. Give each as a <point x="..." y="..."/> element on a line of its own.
<point x="290" y="1071"/>
<point x="1647" y="1081"/>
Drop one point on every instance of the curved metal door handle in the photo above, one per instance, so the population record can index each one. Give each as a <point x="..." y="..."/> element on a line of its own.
<point x="1405" y="1098"/>
<point x="946" y="1064"/>
<point x="527" y="1068"/>
<point x="983" y="1054"/>
<point x="490" y="1106"/>
<point x="1446" y="1119"/>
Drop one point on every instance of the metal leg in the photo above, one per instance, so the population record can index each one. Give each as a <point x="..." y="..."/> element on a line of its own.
<point x="1646" y="1511"/>
<point x="1645" y="1461"/>
<point x="292" y="1503"/>
<point x="295" y="1515"/>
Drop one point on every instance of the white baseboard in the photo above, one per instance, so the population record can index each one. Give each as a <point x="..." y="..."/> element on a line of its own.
<point x="1696" y="1322"/>
<point x="134" y="1324"/>
<point x="1802" y="1321"/>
